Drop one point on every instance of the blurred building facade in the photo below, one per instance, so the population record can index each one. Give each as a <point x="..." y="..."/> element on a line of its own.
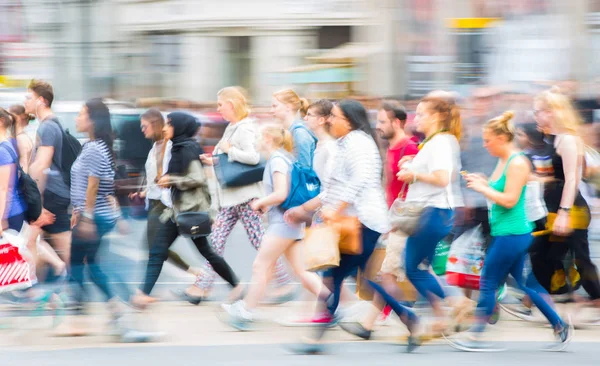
<point x="191" y="48"/>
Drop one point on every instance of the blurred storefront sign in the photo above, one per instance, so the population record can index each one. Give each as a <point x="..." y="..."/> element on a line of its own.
<point x="469" y="64"/>
<point x="334" y="72"/>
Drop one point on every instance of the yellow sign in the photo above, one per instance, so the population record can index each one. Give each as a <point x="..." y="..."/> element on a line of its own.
<point x="472" y="23"/>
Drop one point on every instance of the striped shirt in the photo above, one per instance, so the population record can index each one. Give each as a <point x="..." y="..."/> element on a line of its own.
<point x="357" y="180"/>
<point x="95" y="160"/>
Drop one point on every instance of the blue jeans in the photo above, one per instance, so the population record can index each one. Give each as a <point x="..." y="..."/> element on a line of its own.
<point x="334" y="277"/>
<point x="434" y="225"/>
<point x="84" y="250"/>
<point x="507" y="256"/>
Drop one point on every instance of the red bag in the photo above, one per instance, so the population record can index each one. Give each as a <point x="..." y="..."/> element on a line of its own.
<point x="14" y="270"/>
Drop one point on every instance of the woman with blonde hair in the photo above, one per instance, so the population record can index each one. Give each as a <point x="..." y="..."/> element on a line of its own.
<point x="290" y="110"/>
<point x="511" y="232"/>
<point x="281" y="237"/>
<point x="239" y="143"/>
<point x="569" y="214"/>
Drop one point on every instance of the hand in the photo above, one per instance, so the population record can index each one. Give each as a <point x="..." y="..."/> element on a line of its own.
<point x="295" y="215"/>
<point x="134" y="195"/>
<point x="86" y="228"/>
<point x="206" y="159"/>
<point x="404" y="160"/>
<point x="74" y="220"/>
<point x="224" y="146"/>
<point x="257" y="206"/>
<point x="164" y="181"/>
<point x="406" y="176"/>
<point x="329" y="215"/>
<point x="562" y="224"/>
<point x="476" y="182"/>
<point x="46" y="218"/>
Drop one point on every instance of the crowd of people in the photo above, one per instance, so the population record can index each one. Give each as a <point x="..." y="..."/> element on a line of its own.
<point x="434" y="182"/>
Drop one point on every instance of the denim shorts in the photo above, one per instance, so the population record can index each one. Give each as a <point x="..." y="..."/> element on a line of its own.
<point x="59" y="206"/>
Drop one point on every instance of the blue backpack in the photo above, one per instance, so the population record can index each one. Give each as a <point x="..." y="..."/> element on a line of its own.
<point x="304" y="186"/>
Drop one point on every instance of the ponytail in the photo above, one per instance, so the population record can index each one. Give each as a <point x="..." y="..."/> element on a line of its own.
<point x="282" y="138"/>
<point x="288" y="141"/>
<point x="455" y="123"/>
<point x="444" y="103"/>
<point x="502" y="125"/>
<point x="304" y="104"/>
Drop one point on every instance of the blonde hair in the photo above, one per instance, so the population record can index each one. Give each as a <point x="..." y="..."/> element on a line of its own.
<point x="289" y="97"/>
<point x="444" y="103"/>
<point x="502" y="125"/>
<point x="565" y="114"/>
<point x="282" y="138"/>
<point x="237" y="96"/>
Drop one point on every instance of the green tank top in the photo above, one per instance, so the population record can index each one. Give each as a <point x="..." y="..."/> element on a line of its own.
<point x="508" y="221"/>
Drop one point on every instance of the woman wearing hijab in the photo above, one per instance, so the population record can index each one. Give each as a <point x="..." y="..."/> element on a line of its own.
<point x="189" y="189"/>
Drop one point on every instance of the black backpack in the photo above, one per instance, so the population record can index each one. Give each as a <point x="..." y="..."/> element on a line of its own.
<point x="71" y="148"/>
<point x="29" y="190"/>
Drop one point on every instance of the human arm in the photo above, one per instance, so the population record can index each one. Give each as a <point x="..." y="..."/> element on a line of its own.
<point x="4" y="191"/>
<point x="194" y="178"/>
<point x="25" y="146"/>
<point x="244" y="148"/>
<point x="517" y="175"/>
<point x="568" y="149"/>
<point x="304" y="146"/>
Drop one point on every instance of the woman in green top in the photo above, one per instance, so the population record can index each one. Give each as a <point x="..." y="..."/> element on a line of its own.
<point x="511" y="231"/>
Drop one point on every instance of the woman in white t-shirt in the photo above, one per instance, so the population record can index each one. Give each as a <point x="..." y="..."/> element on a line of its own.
<point x="434" y="177"/>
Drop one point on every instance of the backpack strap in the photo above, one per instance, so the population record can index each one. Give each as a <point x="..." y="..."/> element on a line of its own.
<point x="13" y="156"/>
<point x="302" y="126"/>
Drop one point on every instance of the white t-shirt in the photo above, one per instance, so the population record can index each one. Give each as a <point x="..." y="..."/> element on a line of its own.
<point x="154" y="192"/>
<point x="324" y="159"/>
<point x="442" y="152"/>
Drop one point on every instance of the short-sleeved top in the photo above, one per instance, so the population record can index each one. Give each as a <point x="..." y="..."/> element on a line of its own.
<point x="394" y="187"/>
<point x="15" y="204"/>
<point x="324" y="159"/>
<point x="280" y="161"/>
<point x="95" y="160"/>
<point x="49" y="133"/>
<point x="442" y="152"/>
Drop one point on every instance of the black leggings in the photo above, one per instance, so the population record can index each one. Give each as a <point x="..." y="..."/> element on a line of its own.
<point x="547" y="257"/>
<point x="159" y="252"/>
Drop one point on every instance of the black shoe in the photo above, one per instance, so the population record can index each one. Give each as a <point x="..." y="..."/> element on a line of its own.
<point x="356" y="329"/>
<point x="306" y="348"/>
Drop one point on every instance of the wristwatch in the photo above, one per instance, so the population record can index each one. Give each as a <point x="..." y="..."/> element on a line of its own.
<point x="566" y="209"/>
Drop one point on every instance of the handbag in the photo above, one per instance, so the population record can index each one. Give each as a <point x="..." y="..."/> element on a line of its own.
<point x="405" y="216"/>
<point x="193" y="224"/>
<point x="321" y="248"/>
<point x="350" y="230"/>
<point x="236" y="174"/>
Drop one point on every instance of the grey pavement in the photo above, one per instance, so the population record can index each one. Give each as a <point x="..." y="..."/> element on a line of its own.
<point x="346" y="354"/>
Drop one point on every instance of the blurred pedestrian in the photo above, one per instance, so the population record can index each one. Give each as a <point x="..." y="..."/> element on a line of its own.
<point x="239" y="143"/>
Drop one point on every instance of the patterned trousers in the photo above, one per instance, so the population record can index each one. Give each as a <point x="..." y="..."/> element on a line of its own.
<point x="224" y="224"/>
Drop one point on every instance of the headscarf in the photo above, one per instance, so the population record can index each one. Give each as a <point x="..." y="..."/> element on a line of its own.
<point x="185" y="148"/>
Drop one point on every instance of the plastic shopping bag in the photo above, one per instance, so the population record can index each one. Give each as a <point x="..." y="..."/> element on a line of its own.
<point x="440" y="258"/>
<point x="465" y="259"/>
<point x="14" y="269"/>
